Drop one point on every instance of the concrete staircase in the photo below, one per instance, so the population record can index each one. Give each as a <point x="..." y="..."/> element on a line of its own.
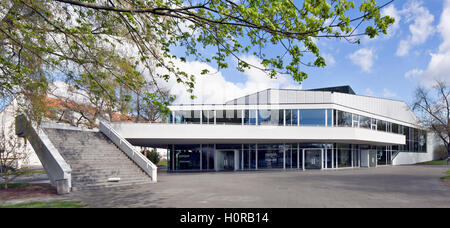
<point x="94" y="159"/>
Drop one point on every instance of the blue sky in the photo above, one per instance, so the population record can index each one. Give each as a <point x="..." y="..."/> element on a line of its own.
<point x="416" y="50"/>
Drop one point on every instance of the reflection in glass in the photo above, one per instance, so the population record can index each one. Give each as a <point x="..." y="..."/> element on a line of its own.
<point x="270" y="117"/>
<point x="250" y="117"/>
<point x="344" y="119"/>
<point x="229" y="117"/>
<point x="207" y="117"/>
<point x="187" y="157"/>
<point x="364" y="122"/>
<point x="312" y="117"/>
<point x="329" y="117"/>
<point x="270" y="156"/>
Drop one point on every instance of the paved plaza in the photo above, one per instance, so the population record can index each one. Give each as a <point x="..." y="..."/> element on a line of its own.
<point x="392" y="186"/>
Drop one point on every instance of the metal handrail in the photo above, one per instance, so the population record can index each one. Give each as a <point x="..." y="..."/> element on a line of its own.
<point x="127" y="148"/>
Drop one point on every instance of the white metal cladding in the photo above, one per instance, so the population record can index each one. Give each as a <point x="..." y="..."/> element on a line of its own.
<point x="195" y="133"/>
<point x="362" y="105"/>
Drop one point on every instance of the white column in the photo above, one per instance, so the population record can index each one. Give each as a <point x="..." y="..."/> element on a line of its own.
<point x="321" y="159"/>
<point x="303" y="159"/>
<point x="298" y="156"/>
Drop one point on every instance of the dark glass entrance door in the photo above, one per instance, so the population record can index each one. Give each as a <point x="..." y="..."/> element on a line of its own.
<point x="313" y="158"/>
<point x="228" y="160"/>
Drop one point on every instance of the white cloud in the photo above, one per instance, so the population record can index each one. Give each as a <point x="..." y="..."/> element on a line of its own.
<point x="393" y="12"/>
<point x="329" y="59"/>
<point x="364" y="58"/>
<point x="388" y="94"/>
<point x="421" y="28"/>
<point x="413" y="73"/>
<point x="62" y="90"/>
<point x="439" y="65"/>
<point x="369" y="92"/>
<point x="214" y="88"/>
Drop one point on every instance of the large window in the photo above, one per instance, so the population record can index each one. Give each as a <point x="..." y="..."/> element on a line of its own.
<point x="270" y="156"/>
<point x="312" y="117"/>
<point x="381" y="155"/>
<point x="207" y="156"/>
<point x="250" y="117"/>
<point x="188" y="116"/>
<point x="249" y="156"/>
<point x="381" y="125"/>
<point x="329" y="117"/>
<point x="231" y="117"/>
<point x="270" y="117"/>
<point x="292" y="156"/>
<point x="207" y="117"/>
<point x="364" y="122"/>
<point x="291" y="116"/>
<point x="344" y="119"/>
<point x="187" y="157"/>
<point x="344" y="154"/>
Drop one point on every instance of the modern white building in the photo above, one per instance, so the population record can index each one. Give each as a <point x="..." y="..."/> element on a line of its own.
<point x="327" y="128"/>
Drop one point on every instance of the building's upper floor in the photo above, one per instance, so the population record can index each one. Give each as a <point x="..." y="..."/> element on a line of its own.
<point x="338" y="98"/>
<point x="326" y="107"/>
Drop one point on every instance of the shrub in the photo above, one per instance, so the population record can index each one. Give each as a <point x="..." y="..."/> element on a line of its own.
<point x="440" y="152"/>
<point x="153" y="156"/>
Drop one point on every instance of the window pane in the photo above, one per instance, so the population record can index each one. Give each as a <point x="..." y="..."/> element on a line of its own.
<point x="364" y="122"/>
<point x="207" y="117"/>
<point x="250" y="117"/>
<point x="229" y="117"/>
<point x="312" y="117"/>
<point x="381" y="125"/>
<point x="270" y="156"/>
<point x="269" y="117"/>
<point x="344" y="119"/>
<point x="187" y="157"/>
<point x="329" y="116"/>
<point x="344" y="155"/>
<point x="187" y="116"/>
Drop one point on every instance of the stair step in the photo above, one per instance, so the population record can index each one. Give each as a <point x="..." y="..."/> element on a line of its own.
<point x="94" y="158"/>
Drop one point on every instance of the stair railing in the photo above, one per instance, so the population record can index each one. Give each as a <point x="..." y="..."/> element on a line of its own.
<point x="130" y="150"/>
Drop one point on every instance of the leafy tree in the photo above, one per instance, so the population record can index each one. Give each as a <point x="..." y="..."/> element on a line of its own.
<point x="153" y="156"/>
<point x="96" y="44"/>
<point x="433" y="107"/>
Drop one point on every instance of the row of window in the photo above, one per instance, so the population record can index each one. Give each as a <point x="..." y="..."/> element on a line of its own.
<point x="273" y="156"/>
<point x="281" y="117"/>
<point x="415" y="138"/>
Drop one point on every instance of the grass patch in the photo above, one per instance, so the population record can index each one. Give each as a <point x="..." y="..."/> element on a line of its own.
<point x="53" y="204"/>
<point x="13" y="185"/>
<point x="437" y="162"/>
<point x="31" y="172"/>
<point x="162" y="163"/>
<point x="446" y="177"/>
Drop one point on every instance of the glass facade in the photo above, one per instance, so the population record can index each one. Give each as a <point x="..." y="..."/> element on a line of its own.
<point x="186" y="157"/>
<point x="270" y="117"/>
<point x="270" y="156"/>
<point x="289" y="156"/>
<point x="312" y="117"/>
<point x="416" y="139"/>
